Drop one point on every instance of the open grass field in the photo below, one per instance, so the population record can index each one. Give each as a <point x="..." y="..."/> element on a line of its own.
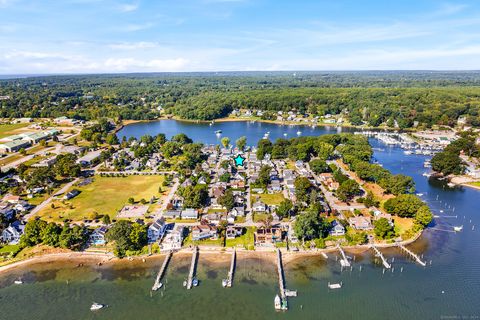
<point x="10" y="129"/>
<point x="105" y="195"/>
<point x="269" y="199"/>
<point x="246" y="240"/>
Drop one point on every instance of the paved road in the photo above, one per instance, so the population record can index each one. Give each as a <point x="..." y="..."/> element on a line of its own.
<point x="47" y="201"/>
<point x="170" y="194"/>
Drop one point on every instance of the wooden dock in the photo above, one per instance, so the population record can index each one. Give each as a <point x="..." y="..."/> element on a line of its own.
<point x="157" y="285"/>
<point x="229" y="281"/>
<point x="344" y="260"/>
<point x="191" y="274"/>
<point x="379" y="254"/>
<point x="413" y="255"/>
<point x="281" y="281"/>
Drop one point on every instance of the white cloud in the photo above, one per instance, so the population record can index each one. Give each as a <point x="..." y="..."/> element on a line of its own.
<point x="129" y="64"/>
<point x="136" y="27"/>
<point x="133" y="45"/>
<point x="128" y="7"/>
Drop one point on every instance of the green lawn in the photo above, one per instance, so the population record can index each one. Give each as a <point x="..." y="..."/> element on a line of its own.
<point x="106" y="195"/>
<point x="476" y="184"/>
<point x="9" y="129"/>
<point x="269" y="199"/>
<point x="246" y="240"/>
<point x="259" y="217"/>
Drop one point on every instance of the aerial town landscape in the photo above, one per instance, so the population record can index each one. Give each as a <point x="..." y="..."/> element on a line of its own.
<point x="165" y="188"/>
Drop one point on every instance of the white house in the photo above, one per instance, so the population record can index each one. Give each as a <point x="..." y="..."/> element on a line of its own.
<point x="12" y="234"/>
<point x="337" y="229"/>
<point x="173" y="239"/>
<point x="259" y="206"/>
<point x="157" y="230"/>
<point x="97" y="237"/>
<point x="204" y="231"/>
<point x="190" y="213"/>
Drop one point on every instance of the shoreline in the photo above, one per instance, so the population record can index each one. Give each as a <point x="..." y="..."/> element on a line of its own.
<point x="227" y="119"/>
<point x="99" y="258"/>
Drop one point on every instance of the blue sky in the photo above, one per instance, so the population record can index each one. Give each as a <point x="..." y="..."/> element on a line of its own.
<point x="92" y="36"/>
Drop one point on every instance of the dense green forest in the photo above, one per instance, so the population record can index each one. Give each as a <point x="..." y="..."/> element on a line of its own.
<point x="372" y="97"/>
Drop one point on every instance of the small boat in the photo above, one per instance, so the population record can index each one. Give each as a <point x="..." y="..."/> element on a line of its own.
<point x="335" y="285"/>
<point x="185" y="283"/>
<point x="96" y="306"/>
<point x="426" y="174"/>
<point x="451" y="185"/>
<point x="158" y="286"/>
<point x="408" y="152"/>
<point x="299" y="133"/>
<point x="458" y="228"/>
<point x="195" y="282"/>
<point x="278" y="302"/>
<point x="224" y="283"/>
<point x="18" y="282"/>
<point x="285" y="134"/>
<point x="218" y="131"/>
<point x="419" y="194"/>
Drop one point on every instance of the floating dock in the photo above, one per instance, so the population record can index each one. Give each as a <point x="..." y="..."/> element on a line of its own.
<point x="413" y="255"/>
<point x="157" y="285"/>
<point x="228" y="282"/>
<point x="191" y="274"/>
<point x="344" y="261"/>
<point x="379" y="254"/>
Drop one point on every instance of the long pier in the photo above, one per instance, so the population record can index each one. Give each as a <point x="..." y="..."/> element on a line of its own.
<point x="157" y="285"/>
<point x="413" y="255"/>
<point x="229" y="279"/>
<point x="281" y="281"/>
<point x="191" y="274"/>
<point x="384" y="261"/>
<point x="344" y="261"/>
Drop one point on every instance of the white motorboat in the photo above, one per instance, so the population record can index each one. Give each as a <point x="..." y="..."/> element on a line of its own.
<point x="299" y="133"/>
<point x="408" y="152"/>
<point x="278" y="302"/>
<point x="335" y="285"/>
<point x="458" y="228"/>
<point x="96" y="306"/>
<point x="451" y="185"/>
<point x="18" y="282"/>
<point x="218" y="131"/>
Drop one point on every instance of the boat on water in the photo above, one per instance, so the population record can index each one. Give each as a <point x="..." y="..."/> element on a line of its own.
<point x="408" y="152"/>
<point x="335" y="285"/>
<point x="96" y="306"/>
<point x="285" y="134"/>
<point x="185" y="283"/>
<point x="224" y="283"/>
<point x="426" y="174"/>
<point x="278" y="302"/>
<point x="195" y="282"/>
<point x="299" y="133"/>
<point x="18" y="282"/>
<point x="457" y="228"/>
<point x="218" y="131"/>
<point x="157" y="286"/>
<point x="419" y="194"/>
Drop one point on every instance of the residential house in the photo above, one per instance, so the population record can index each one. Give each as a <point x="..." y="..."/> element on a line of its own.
<point x="157" y="229"/>
<point x="274" y="186"/>
<point x="267" y="236"/>
<point x="337" y="229"/>
<point x="233" y="232"/>
<point x="97" y="237"/>
<point x="292" y="237"/>
<point x="238" y="212"/>
<point x="204" y="231"/>
<point x="12" y="234"/>
<point x="259" y="206"/>
<point x="71" y="194"/>
<point x="173" y="239"/>
<point x="190" y="213"/>
<point x="10" y="198"/>
<point x="360" y="223"/>
<point x="172" y="214"/>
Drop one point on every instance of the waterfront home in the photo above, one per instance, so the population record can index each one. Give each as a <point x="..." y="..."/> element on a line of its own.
<point x="259" y="206"/>
<point x="12" y="234"/>
<point x="360" y="223"/>
<point x="190" y="213"/>
<point x="172" y="214"/>
<point x="292" y="237"/>
<point x="267" y="236"/>
<point x="7" y="210"/>
<point x="157" y="229"/>
<point x="377" y="214"/>
<point x="173" y="238"/>
<point x="71" y="194"/>
<point x="97" y="237"/>
<point x="204" y="231"/>
<point x="337" y="229"/>
<point x="233" y="232"/>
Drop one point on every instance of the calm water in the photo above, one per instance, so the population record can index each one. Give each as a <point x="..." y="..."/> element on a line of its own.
<point x="415" y="293"/>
